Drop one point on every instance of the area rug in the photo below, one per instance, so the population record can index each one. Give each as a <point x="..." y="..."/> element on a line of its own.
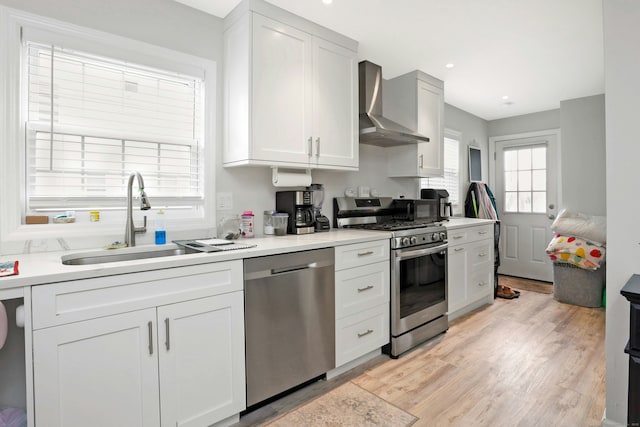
<point x="347" y="405"/>
<point x="526" y="284"/>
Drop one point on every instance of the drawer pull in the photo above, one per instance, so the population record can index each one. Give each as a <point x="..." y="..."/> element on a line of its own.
<point x="482" y="284"/>
<point x="365" y="253"/>
<point x="458" y="249"/>
<point x="457" y="237"/>
<point x="483" y="232"/>
<point x="482" y="254"/>
<point x="366" y="288"/>
<point x="363" y="334"/>
<point x="150" y="326"/>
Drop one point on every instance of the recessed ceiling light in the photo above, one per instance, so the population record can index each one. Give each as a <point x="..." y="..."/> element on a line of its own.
<point x="449" y="65"/>
<point x="505" y="97"/>
<point x="327" y="1"/>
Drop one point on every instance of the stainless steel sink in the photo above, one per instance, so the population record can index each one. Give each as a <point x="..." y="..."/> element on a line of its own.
<point x="124" y="254"/>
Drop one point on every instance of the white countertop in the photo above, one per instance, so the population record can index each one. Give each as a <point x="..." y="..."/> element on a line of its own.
<point x="461" y="222"/>
<point x="46" y="267"/>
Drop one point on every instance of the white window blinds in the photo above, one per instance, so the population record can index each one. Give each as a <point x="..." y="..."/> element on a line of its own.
<point x="451" y="179"/>
<point x="92" y="120"/>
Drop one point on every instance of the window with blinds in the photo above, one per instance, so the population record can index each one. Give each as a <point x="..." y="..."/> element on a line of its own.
<point x="451" y="179"/>
<point x="93" y="120"/>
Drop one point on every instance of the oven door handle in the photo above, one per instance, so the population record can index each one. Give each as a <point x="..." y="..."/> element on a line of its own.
<point x="421" y="252"/>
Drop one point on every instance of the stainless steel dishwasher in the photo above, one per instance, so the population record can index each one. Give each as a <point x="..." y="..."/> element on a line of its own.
<point x="289" y="320"/>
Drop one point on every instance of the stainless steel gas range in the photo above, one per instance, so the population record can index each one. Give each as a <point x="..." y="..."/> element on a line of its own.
<point x="418" y="264"/>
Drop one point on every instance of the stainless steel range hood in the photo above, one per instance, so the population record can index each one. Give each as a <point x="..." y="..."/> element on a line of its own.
<point x="374" y="128"/>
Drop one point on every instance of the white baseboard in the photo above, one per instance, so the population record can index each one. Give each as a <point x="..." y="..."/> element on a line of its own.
<point x="350" y="365"/>
<point x="610" y="423"/>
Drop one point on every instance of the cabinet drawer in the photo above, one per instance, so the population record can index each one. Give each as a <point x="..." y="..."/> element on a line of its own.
<point x="470" y="234"/>
<point x="77" y="300"/>
<point x="480" y="254"/>
<point x="361" y="254"/>
<point x="480" y="284"/>
<point x="361" y="333"/>
<point x="361" y="288"/>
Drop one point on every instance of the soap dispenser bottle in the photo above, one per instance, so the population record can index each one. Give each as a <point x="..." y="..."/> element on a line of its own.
<point x="161" y="234"/>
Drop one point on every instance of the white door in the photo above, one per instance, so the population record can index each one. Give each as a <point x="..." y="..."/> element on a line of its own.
<point x="335" y="105"/>
<point x="526" y="172"/>
<point x="201" y="351"/>
<point x="282" y="92"/>
<point x="100" y="373"/>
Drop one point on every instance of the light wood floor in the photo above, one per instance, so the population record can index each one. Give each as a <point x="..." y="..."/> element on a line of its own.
<point x="530" y="361"/>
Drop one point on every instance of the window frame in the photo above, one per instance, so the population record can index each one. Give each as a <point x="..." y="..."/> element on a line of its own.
<point x="13" y="25"/>
<point x="457" y="136"/>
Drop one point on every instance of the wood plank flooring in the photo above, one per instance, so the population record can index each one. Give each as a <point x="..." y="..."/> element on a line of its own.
<point x="531" y="361"/>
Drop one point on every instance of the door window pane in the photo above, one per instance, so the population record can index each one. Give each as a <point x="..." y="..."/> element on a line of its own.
<point x="525" y="179"/>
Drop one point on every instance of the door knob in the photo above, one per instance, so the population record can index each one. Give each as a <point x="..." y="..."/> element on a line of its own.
<point x="551" y="216"/>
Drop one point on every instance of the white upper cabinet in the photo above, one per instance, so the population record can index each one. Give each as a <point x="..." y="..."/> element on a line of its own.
<point x="416" y="100"/>
<point x="290" y="91"/>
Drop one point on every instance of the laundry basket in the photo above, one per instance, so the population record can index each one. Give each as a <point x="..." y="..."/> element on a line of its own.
<point x="578" y="286"/>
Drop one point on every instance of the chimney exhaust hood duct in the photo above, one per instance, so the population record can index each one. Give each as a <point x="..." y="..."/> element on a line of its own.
<point x="374" y="128"/>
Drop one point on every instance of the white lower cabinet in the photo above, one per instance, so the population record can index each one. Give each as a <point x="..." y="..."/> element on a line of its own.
<point x="171" y="364"/>
<point x="362" y="299"/>
<point x="470" y="268"/>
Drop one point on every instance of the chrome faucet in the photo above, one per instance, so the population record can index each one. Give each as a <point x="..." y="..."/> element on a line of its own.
<point x="131" y="229"/>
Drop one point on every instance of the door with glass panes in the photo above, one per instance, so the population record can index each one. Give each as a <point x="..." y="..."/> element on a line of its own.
<point x="526" y="171"/>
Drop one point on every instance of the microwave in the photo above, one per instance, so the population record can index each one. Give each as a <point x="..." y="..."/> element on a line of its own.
<point x="417" y="210"/>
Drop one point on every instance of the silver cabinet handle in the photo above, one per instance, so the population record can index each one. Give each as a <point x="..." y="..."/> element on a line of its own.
<point x="458" y="249"/>
<point x="363" y="334"/>
<point x="293" y="268"/>
<point x="457" y="237"/>
<point x="421" y="161"/>
<point x="310" y="141"/>
<point x="366" y="288"/>
<point x="150" y="326"/>
<point x="365" y="253"/>
<point x="482" y="254"/>
<point x="482" y="232"/>
<point x="318" y="147"/>
<point x="481" y="283"/>
<point x="167" y="341"/>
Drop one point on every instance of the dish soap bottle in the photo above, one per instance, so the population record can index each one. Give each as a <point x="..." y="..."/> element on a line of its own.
<point x="161" y="234"/>
<point x="246" y="224"/>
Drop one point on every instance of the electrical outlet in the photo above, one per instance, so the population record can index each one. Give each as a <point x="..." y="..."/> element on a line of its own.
<point x="224" y="201"/>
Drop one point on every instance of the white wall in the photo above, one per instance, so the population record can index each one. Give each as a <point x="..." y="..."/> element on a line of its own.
<point x="622" y="88"/>
<point x="582" y="153"/>
<point x="542" y="120"/>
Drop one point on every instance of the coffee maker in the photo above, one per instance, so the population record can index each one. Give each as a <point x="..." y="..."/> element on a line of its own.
<point x="299" y="206"/>
<point x="321" y="222"/>
<point x="442" y="199"/>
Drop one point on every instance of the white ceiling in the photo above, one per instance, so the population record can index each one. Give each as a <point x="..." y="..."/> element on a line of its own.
<point x="537" y="52"/>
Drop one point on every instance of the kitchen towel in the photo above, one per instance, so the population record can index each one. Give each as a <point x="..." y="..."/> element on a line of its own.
<point x="4" y="325"/>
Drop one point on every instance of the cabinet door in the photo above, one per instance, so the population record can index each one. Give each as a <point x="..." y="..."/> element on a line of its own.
<point x="282" y="93"/>
<point x="457" y="273"/>
<point x="335" y="105"/>
<point x="431" y="124"/>
<point x="201" y="352"/>
<point x="100" y="372"/>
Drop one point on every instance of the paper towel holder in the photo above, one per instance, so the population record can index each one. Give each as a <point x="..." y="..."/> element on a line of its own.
<point x="290" y="179"/>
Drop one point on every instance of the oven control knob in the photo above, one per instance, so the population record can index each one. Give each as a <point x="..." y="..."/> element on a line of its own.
<point x="404" y="241"/>
<point x="443" y="235"/>
<point x="435" y="236"/>
<point x="414" y="240"/>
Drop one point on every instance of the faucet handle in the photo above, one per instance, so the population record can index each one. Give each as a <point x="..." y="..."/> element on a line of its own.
<point x="142" y="229"/>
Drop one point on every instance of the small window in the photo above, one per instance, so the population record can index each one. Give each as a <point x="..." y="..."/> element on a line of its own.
<point x="525" y="179"/>
<point x="450" y="181"/>
<point x="93" y="120"/>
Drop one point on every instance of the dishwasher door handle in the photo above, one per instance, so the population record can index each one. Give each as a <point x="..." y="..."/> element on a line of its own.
<point x="275" y="271"/>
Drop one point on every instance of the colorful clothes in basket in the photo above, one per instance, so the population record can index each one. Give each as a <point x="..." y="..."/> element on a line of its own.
<point x="576" y="251"/>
